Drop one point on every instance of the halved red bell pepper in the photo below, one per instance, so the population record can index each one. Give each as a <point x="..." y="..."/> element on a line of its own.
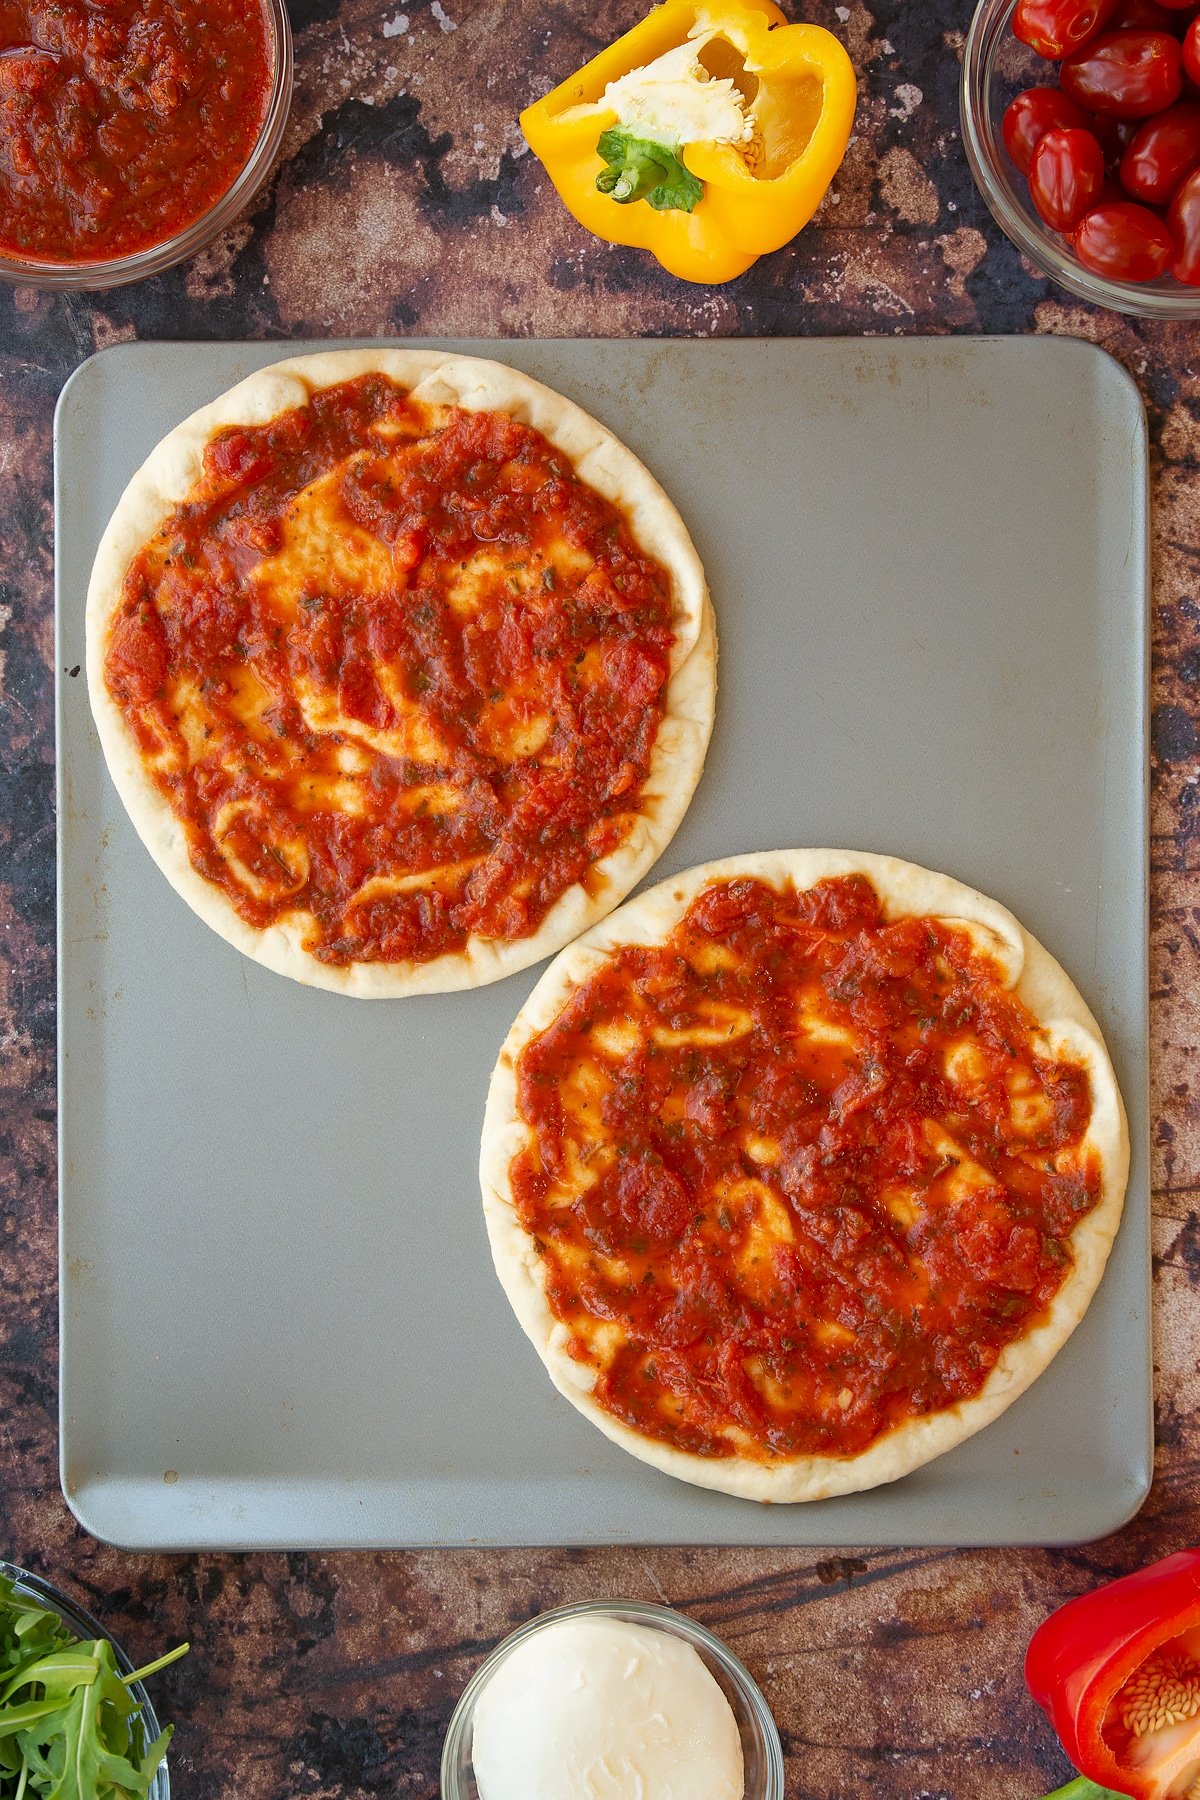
<point x="1118" y="1673"/>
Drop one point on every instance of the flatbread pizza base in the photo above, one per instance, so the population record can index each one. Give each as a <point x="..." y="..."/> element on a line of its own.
<point x="1068" y="1029"/>
<point x="600" y="459"/>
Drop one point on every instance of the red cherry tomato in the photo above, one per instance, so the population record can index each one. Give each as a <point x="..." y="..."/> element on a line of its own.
<point x="1179" y="5"/>
<point x="1130" y="74"/>
<point x="1184" y="220"/>
<point x="1066" y="177"/>
<point x="1034" y="113"/>
<point x="1123" y="242"/>
<point x="1191" y="51"/>
<point x="1161" y="152"/>
<point x="1143" y="15"/>
<point x="1113" y="135"/>
<point x="1056" y="27"/>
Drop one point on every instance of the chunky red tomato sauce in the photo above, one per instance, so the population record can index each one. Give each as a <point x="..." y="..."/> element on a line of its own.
<point x="394" y="729"/>
<point x="122" y="122"/>
<point x="804" y="1242"/>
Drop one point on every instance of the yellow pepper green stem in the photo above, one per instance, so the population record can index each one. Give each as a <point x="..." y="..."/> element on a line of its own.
<point x="799" y="87"/>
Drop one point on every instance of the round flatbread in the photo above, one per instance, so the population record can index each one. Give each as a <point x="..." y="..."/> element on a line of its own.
<point x="403" y="666"/>
<point x="799" y="1168"/>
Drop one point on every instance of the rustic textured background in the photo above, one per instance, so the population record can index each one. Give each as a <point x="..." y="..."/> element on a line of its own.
<point x="404" y="202"/>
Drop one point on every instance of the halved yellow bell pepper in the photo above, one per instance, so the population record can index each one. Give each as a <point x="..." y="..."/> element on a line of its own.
<point x="719" y="205"/>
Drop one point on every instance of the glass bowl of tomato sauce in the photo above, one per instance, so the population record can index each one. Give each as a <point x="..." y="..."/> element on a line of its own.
<point x="133" y="133"/>
<point x="997" y="67"/>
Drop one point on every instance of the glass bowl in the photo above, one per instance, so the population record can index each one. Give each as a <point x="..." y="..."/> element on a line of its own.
<point x="762" y="1752"/>
<point x="119" y="270"/>
<point x="84" y="1626"/>
<point x="996" y="66"/>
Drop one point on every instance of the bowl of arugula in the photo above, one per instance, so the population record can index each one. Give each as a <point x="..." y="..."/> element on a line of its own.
<point x="74" y="1716"/>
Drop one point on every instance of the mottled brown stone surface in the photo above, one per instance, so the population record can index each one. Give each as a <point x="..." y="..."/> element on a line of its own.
<point x="403" y="203"/>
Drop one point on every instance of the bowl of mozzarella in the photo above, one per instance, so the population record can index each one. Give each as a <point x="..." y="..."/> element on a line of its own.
<point x="613" y="1697"/>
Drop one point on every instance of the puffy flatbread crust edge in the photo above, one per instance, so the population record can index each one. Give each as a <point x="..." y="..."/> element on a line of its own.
<point x="599" y="457"/>
<point x="1067" y="1024"/>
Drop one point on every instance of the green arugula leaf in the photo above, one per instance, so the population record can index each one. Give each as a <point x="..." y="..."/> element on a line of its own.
<point x="155" y="1753"/>
<point x="69" y="1727"/>
<point x="63" y="1669"/>
<point x="17" y="1718"/>
<point x="640" y="169"/>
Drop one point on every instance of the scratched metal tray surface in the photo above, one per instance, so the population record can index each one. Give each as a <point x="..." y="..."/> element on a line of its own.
<point x="280" y="1323"/>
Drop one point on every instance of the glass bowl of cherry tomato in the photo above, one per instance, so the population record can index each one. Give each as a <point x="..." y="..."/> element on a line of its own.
<point x="1081" y="121"/>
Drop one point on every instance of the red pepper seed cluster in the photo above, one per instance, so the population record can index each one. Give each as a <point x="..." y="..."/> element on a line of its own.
<point x="1112" y="154"/>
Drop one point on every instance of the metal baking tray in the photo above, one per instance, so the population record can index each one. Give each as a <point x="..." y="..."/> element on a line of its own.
<point x="280" y="1324"/>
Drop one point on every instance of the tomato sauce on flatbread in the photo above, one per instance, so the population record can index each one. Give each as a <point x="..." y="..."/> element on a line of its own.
<point x="798" y="1173"/>
<point x="394" y="666"/>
